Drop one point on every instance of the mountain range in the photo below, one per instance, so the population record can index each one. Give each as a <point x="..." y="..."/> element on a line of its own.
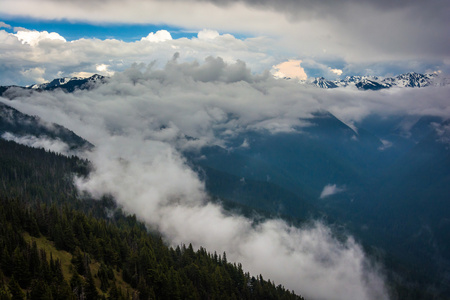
<point x="67" y="84"/>
<point x="411" y="79"/>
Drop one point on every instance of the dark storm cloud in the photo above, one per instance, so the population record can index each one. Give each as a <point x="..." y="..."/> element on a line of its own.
<point x="394" y="25"/>
<point x="296" y="6"/>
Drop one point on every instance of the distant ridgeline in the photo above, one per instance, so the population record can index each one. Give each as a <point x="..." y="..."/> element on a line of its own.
<point x="411" y="79"/>
<point x="65" y="84"/>
<point x="378" y="83"/>
<point x="15" y="125"/>
<point x="54" y="245"/>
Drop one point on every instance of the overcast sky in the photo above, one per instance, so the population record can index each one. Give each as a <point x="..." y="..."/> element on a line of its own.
<point x="357" y="37"/>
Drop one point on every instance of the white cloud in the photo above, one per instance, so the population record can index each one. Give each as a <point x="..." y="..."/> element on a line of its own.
<point x="331" y="189"/>
<point x="159" y="36"/>
<point x="86" y="55"/>
<point x="33" y="37"/>
<point x="207" y="34"/>
<point x="4" y="25"/>
<point x="81" y="74"/>
<point x="35" y="74"/>
<point x="385" y="145"/>
<point x="103" y="69"/>
<point x="443" y="132"/>
<point x="50" y="51"/>
<point x="290" y="69"/>
<point x="338" y="72"/>
<point x="48" y="144"/>
<point x="245" y="144"/>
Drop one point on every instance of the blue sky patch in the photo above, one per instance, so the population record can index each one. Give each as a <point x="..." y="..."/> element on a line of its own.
<point x="77" y="30"/>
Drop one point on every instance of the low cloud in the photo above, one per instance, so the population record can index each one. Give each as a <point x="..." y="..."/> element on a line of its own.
<point x="153" y="181"/>
<point x="385" y="145"/>
<point x="331" y="189"/>
<point x="142" y="119"/>
<point x="442" y="132"/>
<point x="53" y="145"/>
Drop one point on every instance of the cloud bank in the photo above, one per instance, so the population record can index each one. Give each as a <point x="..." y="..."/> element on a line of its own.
<point x="29" y="57"/>
<point x="142" y="119"/>
<point x="359" y="37"/>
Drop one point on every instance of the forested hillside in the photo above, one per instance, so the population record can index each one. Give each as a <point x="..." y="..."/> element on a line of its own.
<point x="54" y="245"/>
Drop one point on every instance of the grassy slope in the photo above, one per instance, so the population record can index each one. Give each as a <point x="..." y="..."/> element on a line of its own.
<point x="67" y="267"/>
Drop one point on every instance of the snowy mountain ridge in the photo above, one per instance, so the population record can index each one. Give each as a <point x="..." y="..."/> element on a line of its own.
<point x="65" y="82"/>
<point x="411" y="79"/>
<point x="406" y="80"/>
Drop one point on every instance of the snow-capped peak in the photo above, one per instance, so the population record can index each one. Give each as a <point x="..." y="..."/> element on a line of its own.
<point x="411" y="79"/>
<point x="68" y="83"/>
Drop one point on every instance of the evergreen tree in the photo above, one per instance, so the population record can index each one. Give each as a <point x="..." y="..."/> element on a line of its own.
<point x="40" y="290"/>
<point x="77" y="286"/>
<point x="15" y="290"/>
<point x="90" y="288"/>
